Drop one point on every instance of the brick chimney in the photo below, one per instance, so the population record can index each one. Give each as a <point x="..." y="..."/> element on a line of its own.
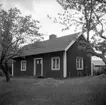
<point x="52" y="36"/>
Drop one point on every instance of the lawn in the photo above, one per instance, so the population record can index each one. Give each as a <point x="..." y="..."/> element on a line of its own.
<point x="73" y="91"/>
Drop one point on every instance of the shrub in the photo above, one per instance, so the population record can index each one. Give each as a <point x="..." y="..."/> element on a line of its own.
<point x="100" y="71"/>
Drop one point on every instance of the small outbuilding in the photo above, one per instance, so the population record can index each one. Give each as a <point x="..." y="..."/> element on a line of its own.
<point x="98" y="66"/>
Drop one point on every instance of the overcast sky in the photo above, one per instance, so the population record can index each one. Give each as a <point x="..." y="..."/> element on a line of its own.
<point x="39" y="9"/>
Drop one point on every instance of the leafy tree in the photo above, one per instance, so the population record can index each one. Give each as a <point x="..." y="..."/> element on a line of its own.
<point x="15" y="30"/>
<point x="89" y="16"/>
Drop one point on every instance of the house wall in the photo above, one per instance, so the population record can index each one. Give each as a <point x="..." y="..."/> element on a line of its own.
<point x="47" y="65"/>
<point x="29" y="68"/>
<point x="72" y="53"/>
<point x="47" y="72"/>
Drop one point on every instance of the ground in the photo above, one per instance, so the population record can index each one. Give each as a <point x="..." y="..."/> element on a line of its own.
<point x="74" y="91"/>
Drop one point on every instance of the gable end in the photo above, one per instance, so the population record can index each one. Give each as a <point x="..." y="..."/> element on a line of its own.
<point x="73" y="42"/>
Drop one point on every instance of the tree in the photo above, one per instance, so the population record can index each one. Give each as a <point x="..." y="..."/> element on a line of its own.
<point x="15" y="29"/>
<point x="90" y="16"/>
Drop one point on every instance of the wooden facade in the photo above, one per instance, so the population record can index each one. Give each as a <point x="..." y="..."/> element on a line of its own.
<point x="31" y="69"/>
<point x="72" y="53"/>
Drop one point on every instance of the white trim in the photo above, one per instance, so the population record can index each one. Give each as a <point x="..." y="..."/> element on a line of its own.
<point x="25" y="65"/>
<point x="35" y="66"/>
<point x="57" y="57"/>
<point x="70" y="45"/>
<point x="12" y="68"/>
<point x="82" y="62"/>
<point x="91" y="67"/>
<point x="72" y="42"/>
<point x="65" y="64"/>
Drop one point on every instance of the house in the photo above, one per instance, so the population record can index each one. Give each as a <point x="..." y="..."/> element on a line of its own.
<point x="56" y="57"/>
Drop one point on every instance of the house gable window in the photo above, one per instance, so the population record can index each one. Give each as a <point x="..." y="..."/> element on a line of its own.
<point x="79" y="63"/>
<point x="23" y="65"/>
<point x="55" y="63"/>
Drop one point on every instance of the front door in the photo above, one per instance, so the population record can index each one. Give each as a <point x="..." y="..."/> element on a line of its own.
<point x="39" y="67"/>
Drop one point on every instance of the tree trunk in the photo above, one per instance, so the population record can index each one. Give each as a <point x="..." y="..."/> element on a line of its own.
<point x="7" y="76"/>
<point x="6" y="72"/>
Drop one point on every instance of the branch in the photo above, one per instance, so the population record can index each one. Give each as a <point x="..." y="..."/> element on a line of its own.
<point x="89" y="48"/>
<point x="101" y="1"/>
<point x="100" y="33"/>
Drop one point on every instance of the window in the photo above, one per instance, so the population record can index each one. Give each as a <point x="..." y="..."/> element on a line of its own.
<point x="23" y="65"/>
<point x="79" y="63"/>
<point x="55" y="62"/>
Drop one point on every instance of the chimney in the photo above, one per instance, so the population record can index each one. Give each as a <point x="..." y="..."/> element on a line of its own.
<point x="52" y="36"/>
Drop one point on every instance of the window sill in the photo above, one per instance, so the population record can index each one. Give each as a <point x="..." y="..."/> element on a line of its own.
<point x="23" y="69"/>
<point x="80" y="69"/>
<point x="55" y="69"/>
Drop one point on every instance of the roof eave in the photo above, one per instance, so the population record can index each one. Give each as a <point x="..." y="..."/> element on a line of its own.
<point x="39" y="53"/>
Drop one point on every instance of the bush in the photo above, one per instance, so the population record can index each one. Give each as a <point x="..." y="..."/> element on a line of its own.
<point x="100" y="71"/>
<point x="104" y="71"/>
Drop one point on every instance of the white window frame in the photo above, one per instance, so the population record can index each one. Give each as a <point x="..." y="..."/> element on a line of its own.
<point x="79" y="67"/>
<point x="25" y="65"/>
<point x="55" y="63"/>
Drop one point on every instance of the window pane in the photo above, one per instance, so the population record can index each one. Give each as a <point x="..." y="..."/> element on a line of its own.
<point x="53" y="63"/>
<point x="37" y="61"/>
<point x="77" y="62"/>
<point x="57" y="63"/>
<point x="23" y="65"/>
<point x="80" y="62"/>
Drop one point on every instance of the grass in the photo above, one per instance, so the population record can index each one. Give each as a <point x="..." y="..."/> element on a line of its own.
<point x="75" y="91"/>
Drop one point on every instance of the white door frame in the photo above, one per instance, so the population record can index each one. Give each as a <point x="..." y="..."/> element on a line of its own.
<point x="35" y="66"/>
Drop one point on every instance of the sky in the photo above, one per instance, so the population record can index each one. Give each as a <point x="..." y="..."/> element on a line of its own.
<point x="39" y="9"/>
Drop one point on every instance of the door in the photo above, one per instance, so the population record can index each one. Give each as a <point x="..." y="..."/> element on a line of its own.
<point x="39" y="69"/>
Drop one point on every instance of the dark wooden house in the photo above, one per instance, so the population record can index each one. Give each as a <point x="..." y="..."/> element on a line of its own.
<point x="56" y="57"/>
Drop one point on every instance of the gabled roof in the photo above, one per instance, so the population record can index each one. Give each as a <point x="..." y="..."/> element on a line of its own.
<point x="51" y="45"/>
